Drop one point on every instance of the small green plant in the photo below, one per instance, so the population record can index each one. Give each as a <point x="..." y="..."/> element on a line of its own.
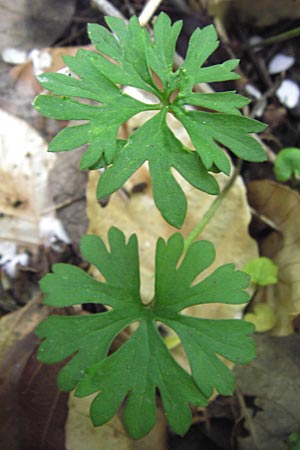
<point x="293" y="442"/>
<point x="130" y="56"/>
<point x="262" y="271"/>
<point x="287" y="164"/>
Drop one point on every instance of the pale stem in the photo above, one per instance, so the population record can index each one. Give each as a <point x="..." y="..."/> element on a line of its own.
<point x="108" y="9"/>
<point x="148" y="11"/>
<point x="212" y="209"/>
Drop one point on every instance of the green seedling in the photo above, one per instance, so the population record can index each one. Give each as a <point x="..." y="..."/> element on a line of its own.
<point x="293" y="442"/>
<point x="287" y="164"/>
<point x="262" y="271"/>
<point x="129" y="55"/>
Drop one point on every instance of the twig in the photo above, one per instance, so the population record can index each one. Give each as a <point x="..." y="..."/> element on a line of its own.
<point x="148" y="11"/>
<point x="107" y="8"/>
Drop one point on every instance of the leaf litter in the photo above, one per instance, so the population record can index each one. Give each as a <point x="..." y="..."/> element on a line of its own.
<point x="130" y="185"/>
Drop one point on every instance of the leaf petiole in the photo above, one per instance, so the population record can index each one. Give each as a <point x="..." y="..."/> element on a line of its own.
<point x="212" y="209"/>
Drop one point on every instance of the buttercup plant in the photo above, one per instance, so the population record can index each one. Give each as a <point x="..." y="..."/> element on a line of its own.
<point x="129" y="56"/>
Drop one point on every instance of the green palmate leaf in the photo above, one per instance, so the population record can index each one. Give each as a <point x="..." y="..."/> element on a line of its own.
<point x="287" y="164"/>
<point x="128" y="55"/>
<point x="143" y="364"/>
<point x="156" y="142"/>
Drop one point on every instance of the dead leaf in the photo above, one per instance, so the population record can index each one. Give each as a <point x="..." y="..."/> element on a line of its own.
<point x="24" y="191"/>
<point x="80" y="433"/>
<point x="272" y="382"/>
<point x="256" y="12"/>
<point x="16" y="325"/>
<point x="67" y="185"/>
<point x="281" y="205"/>
<point x="27" y="25"/>
<point x="33" y="411"/>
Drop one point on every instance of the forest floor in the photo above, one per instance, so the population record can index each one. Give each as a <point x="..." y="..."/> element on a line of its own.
<point x="46" y="204"/>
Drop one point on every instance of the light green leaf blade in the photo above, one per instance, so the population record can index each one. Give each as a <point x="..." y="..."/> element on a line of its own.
<point x="287" y="164"/>
<point x="262" y="271"/>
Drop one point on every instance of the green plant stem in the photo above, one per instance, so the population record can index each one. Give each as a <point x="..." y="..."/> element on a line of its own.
<point x="212" y="209"/>
<point x="278" y="38"/>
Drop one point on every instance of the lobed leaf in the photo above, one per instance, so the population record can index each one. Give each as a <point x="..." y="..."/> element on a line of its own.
<point x="155" y="142"/>
<point x="143" y="363"/>
<point x="129" y="55"/>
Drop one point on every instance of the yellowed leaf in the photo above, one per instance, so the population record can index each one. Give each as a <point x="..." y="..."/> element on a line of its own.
<point x="281" y="205"/>
<point x="263" y="317"/>
<point x="81" y="434"/>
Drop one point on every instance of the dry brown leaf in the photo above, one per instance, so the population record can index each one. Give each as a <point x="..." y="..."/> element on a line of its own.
<point x="25" y="25"/>
<point x="271" y="385"/>
<point x="281" y="205"/>
<point x="24" y="77"/>
<point x="257" y="12"/>
<point x="24" y="195"/>
<point x="16" y="325"/>
<point x="80" y="433"/>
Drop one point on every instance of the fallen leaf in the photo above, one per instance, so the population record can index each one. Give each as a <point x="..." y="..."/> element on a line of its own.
<point x="272" y="382"/>
<point x="263" y="317"/>
<point x="80" y="433"/>
<point x="38" y="24"/>
<point x="256" y="12"/>
<point x="281" y="205"/>
<point x="33" y="411"/>
<point x="16" y="325"/>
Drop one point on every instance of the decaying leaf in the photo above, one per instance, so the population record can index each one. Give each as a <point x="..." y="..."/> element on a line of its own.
<point x="272" y="382"/>
<point x="80" y="433"/>
<point x="33" y="411"/>
<point x="281" y="205"/>
<point x="18" y="324"/>
<point x="258" y="12"/>
<point x="24" y="195"/>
